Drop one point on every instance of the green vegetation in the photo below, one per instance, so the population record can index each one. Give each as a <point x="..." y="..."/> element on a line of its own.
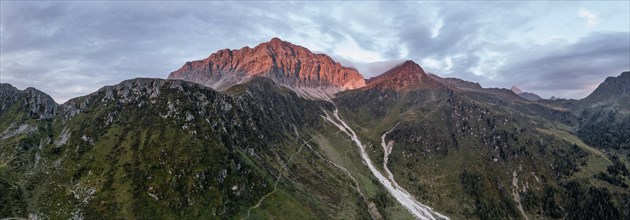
<point x="590" y="203"/>
<point x="486" y="207"/>
<point x="605" y="129"/>
<point x="493" y="149"/>
<point x="149" y="148"/>
<point x="187" y="152"/>
<point x="616" y="173"/>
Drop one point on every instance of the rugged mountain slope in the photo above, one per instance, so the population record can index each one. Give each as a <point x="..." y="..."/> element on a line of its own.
<point x="311" y="74"/>
<point x="23" y="116"/>
<point x="467" y="156"/>
<point x="150" y="147"/>
<point x="605" y="114"/>
<point x="31" y="101"/>
<point x="261" y="149"/>
<point x="614" y="92"/>
<point x="508" y="100"/>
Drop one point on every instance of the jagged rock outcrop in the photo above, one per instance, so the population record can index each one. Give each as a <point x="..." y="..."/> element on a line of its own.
<point x="408" y="75"/>
<point x="313" y="75"/>
<point x="173" y="143"/>
<point x="8" y="95"/>
<point x="140" y="90"/>
<point x="39" y="104"/>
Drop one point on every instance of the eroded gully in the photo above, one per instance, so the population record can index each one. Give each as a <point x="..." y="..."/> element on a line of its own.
<point x="403" y="197"/>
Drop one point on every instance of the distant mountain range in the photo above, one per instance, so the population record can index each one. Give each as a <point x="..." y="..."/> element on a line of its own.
<point x="279" y="132"/>
<point x="525" y="95"/>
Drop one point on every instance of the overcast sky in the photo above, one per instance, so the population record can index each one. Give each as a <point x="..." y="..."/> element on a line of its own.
<point x="564" y="49"/>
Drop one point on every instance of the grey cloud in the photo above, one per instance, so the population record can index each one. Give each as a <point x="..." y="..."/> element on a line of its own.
<point x="369" y="69"/>
<point x="69" y="49"/>
<point x="458" y="31"/>
<point x="560" y="70"/>
<point x="54" y="46"/>
<point x="84" y="46"/>
<point x="468" y="28"/>
<point x="571" y="70"/>
<point x="376" y="68"/>
<point x="458" y="36"/>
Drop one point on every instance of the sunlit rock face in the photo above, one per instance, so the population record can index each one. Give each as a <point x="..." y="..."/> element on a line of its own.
<point x="288" y="64"/>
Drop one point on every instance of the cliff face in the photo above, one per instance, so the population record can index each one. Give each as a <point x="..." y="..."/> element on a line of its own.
<point x="39" y="104"/>
<point x="288" y="64"/>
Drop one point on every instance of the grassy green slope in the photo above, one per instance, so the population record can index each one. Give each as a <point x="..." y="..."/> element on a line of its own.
<point x="460" y="156"/>
<point x="167" y="149"/>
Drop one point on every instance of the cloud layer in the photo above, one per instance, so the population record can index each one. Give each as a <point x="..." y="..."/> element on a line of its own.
<point x="572" y="69"/>
<point x="68" y="49"/>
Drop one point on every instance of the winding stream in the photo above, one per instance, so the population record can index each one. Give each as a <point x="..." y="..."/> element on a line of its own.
<point x="416" y="208"/>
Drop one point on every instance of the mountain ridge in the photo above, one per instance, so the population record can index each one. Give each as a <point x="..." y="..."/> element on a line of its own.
<point x="39" y="104"/>
<point x="526" y="95"/>
<point x="610" y="91"/>
<point x="289" y="64"/>
<point x="405" y="76"/>
<point x="262" y="146"/>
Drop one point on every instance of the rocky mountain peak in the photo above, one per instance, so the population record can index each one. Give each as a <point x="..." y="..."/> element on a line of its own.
<point x="277" y="46"/>
<point x="39" y="104"/>
<point x="278" y="42"/>
<point x="7" y="90"/>
<point x="526" y="95"/>
<point x="611" y="92"/>
<point x="409" y="68"/>
<point x="313" y="75"/>
<point x="516" y="90"/>
<point x="404" y="76"/>
<point x="275" y="40"/>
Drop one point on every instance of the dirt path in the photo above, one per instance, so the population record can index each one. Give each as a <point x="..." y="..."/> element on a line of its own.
<point x="275" y="185"/>
<point x="371" y="207"/>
